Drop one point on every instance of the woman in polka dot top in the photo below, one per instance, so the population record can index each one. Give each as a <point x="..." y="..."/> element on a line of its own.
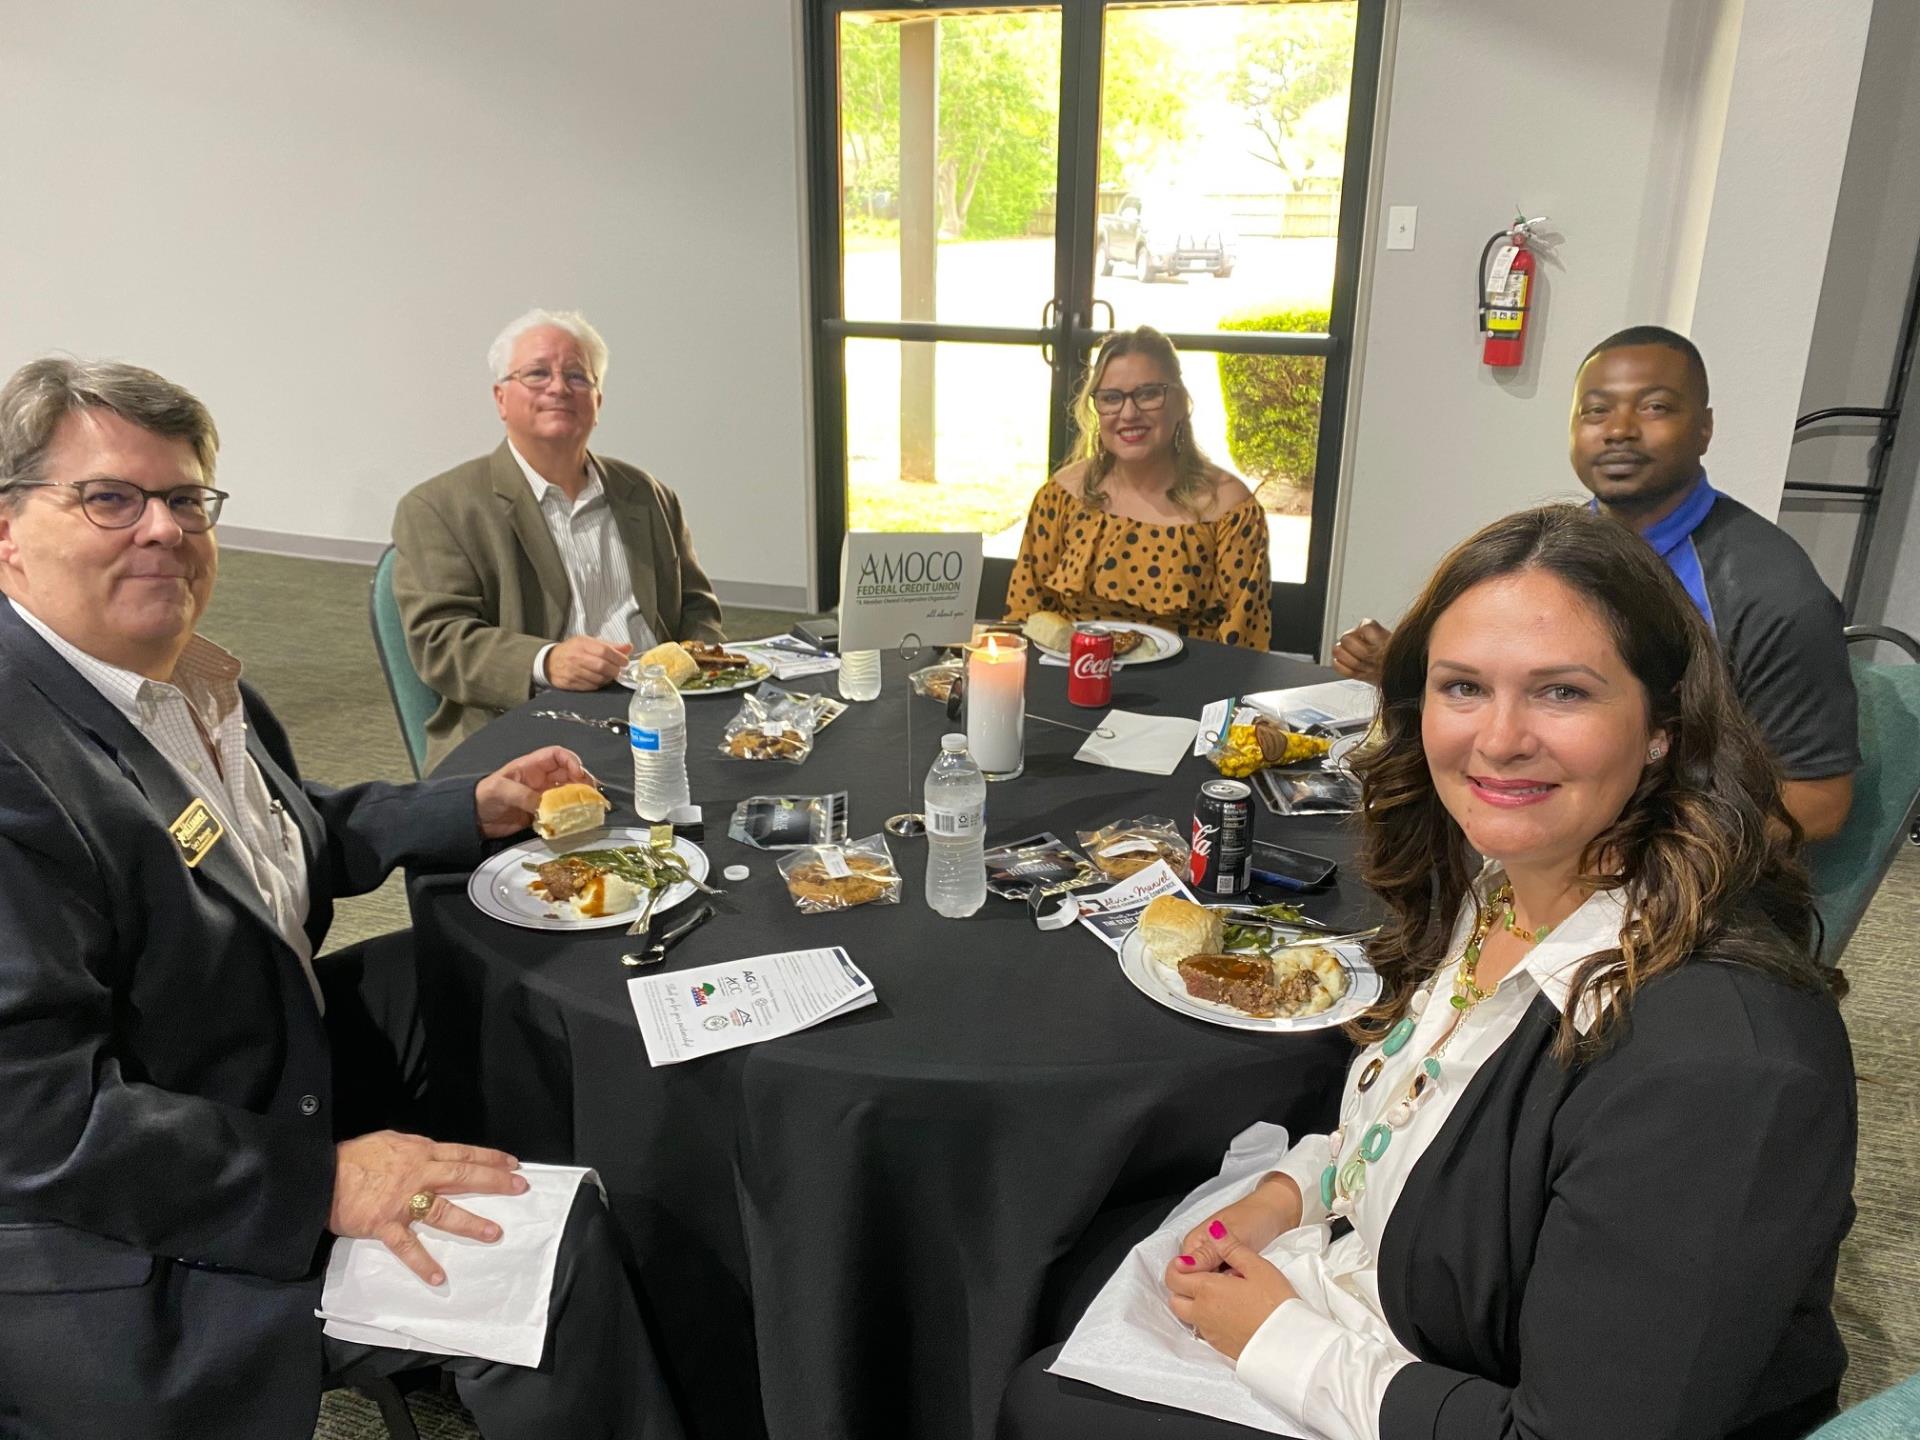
<point x="1141" y="525"/>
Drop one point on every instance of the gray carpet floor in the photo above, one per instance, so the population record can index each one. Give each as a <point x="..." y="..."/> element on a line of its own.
<point x="301" y="628"/>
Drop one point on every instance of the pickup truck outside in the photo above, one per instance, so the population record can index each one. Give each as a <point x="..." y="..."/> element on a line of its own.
<point x="1165" y="235"/>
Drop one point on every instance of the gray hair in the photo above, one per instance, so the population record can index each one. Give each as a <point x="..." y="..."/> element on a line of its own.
<point x="44" y="392"/>
<point x="500" y="353"/>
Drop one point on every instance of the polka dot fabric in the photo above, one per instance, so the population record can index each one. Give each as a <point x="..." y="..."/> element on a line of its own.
<point x="1209" y="579"/>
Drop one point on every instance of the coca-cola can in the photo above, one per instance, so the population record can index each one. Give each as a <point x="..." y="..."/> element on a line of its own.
<point x="1090" y="666"/>
<point x="1222" y="858"/>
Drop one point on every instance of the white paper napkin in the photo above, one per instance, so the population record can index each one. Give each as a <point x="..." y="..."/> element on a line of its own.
<point x="493" y="1303"/>
<point x="1150" y="744"/>
<point x="1129" y="1342"/>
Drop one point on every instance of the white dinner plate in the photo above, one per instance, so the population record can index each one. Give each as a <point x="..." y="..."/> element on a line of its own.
<point x="499" y="887"/>
<point x="1159" y="645"/>
<point x="1162" y="983"/>
<point x="756" y="672"/>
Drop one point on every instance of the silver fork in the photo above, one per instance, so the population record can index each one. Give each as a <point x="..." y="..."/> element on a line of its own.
<point x="640" y="921"/>
<point x="617" y="727"/>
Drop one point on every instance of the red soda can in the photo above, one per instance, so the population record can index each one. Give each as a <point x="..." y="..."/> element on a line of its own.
<point x="1090" y="666"/>
<point x="1222" y="855"/>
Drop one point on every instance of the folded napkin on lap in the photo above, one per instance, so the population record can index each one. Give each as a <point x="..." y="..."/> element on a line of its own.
<point x="493" y="1303"/>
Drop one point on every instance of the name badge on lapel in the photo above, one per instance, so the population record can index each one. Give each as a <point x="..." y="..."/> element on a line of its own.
<point x="196" y="831"/>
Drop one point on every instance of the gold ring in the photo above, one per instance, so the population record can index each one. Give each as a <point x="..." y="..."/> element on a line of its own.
<point x="419" y="1203"/>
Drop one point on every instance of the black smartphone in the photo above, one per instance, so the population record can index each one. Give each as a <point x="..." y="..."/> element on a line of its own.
<point x="1290" y="869"/>
<point x="822" y="634"/>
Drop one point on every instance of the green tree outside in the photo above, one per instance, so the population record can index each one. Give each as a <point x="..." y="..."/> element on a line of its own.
<point x="1287" y="61"/>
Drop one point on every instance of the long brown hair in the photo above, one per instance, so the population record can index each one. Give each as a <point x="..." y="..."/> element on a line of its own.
<point x="1703" y="854"/>
<point x="1195" y="477"/>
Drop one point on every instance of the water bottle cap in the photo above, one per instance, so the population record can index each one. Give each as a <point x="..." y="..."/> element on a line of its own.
<point x="953" y="744"/>
<point x="659" y="670"/>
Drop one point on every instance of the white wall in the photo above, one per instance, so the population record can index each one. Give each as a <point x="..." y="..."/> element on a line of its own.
<point x="1870" y="264"/>
<point x="1689" y="151"/>
<point x="317" y="216"/>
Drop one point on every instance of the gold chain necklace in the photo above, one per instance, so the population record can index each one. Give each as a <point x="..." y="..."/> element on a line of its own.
<point x="1340" y="1185"/>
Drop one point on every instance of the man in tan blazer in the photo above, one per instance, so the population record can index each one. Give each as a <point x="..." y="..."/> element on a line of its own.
<point x="541" y="564"/>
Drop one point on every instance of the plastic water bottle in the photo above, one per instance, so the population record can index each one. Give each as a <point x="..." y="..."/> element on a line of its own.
<point x="860" y="675"/>
<point x="657" y="731"/>
<point x="956" y="810"/>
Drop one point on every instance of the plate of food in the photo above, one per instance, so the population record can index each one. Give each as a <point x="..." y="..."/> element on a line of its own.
<point x="1133" y="642"/>
<point x="585" y="881"/>
<point x="1181" y="956"/>
<point x="698" y="667"/>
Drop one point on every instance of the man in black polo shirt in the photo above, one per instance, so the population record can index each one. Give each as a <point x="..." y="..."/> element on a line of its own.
<point x="1640" y="424"/>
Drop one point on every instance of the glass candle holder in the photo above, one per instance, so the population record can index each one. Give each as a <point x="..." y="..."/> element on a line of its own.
<point x="997" y="704"/>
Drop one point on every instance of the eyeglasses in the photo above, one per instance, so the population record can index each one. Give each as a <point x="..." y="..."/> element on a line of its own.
<point x="119" y="504"/>
<point x="539" y="377"/>
<point x="1144" y="397"/>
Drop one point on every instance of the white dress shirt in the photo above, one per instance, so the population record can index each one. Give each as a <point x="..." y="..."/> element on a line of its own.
<point x="588" y="540"/>
<point x="1324" y="1359"/>
<point x="199" y="725"/>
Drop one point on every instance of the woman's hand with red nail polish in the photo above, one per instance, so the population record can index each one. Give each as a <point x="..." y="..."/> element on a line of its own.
<point x="1225" y="1308"/>
<point x="1259" y="1218"/>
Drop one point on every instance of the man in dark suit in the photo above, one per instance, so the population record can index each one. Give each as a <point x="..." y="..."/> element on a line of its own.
<point x="542" y="563"/>
<point x="170" y="1173"/>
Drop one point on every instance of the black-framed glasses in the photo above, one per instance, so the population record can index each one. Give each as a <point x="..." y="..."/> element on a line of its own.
<point x="539" y="377"/>
<point x="119" y="504"/>
<point x="1144" y="397"/>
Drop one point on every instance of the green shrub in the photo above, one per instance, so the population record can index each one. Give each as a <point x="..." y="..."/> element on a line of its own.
<point x="1273" y="405"/>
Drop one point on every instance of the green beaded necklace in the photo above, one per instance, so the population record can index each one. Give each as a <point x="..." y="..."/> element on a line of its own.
<point x="1340" y="1185"/>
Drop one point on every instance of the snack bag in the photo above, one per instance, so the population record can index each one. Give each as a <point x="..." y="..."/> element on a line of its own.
<point x="1040" y="863"/>
<point x="1254" y="740"/>
<point x="788" y="822"/>
<point x="838" y="877"/>
<point x="776" y="729"/>
<point x="1127" y="846"/>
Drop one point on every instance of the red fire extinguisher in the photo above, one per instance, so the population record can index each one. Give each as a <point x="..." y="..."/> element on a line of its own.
<point x="1506" y="292"/>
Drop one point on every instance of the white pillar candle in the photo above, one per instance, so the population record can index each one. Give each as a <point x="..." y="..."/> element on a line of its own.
<point x="997" y="703"/>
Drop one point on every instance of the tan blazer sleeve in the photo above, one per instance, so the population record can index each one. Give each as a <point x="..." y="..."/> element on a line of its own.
<point x="458" y="651"/>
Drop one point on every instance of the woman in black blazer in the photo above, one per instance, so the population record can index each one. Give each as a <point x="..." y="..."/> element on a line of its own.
<point x="1594" y="1163"/>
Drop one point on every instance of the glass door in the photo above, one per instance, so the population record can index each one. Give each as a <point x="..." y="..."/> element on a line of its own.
<point x="995" y="189"/>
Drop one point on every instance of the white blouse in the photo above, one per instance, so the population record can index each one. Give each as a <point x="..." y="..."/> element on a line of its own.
<point x="1324" y="1359"/>
<point x="588" y="538"/>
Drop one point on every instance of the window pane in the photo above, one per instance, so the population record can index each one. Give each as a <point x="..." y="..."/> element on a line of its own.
<point x="1223" y="131"/>
<point x="949" y="163"/>
<point x="1259" y="416"/>
<point x="973" y="419"/>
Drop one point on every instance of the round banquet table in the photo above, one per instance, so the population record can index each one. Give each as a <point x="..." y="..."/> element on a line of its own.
<point x="847" y="1232"/>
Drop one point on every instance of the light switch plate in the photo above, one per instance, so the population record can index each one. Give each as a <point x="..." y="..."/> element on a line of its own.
<point x="1400" y="223"/>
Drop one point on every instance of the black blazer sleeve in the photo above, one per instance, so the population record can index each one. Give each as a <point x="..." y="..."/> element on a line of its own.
<point x="83" y="1138"/>
<point x="1695" y="1201"/>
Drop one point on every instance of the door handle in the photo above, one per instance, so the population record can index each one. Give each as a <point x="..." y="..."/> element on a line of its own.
<point x="1112" y="324"/>
<point x="1049" y="319"/>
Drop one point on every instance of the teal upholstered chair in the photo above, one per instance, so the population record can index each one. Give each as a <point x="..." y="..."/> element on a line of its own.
<point x="1891" y="1415"/>
<point x="1886" y="791"/>
<point x="413" y="702"/>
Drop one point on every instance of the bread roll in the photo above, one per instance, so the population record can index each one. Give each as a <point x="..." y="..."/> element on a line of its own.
<point x="679" y="665"/>
<point x="1172" y="929"/>
<point x="1050" y="630"/>
<point x="569" y="809"/>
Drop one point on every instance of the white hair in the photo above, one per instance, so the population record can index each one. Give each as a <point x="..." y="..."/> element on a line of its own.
<point x="500" y="353"/>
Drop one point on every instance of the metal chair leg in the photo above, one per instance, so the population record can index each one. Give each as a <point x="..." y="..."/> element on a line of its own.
<point x="393" y="1407"/>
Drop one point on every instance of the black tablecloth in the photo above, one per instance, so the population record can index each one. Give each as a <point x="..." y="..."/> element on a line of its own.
<point x="873" y="1204"/>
